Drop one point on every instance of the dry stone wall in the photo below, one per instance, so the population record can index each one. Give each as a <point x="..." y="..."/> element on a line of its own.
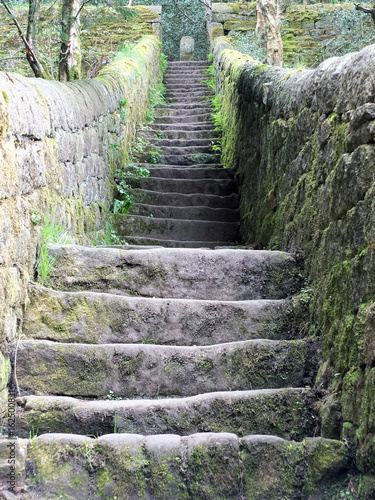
<point x="302" y="144"/>
<point x="55" y="157"/>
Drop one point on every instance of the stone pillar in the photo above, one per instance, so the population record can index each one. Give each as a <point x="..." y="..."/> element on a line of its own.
<point x="187" y="48"/>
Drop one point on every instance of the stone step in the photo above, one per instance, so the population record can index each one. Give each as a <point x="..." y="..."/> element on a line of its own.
<point x="223" y="274"/>
<point x="214" y="411"/>
<point x="144" y="240"/>
<point x="147" y="371"/>
<point x="193" y="94"/>
<point x="185" y="151"/>
<point x="206" y="142"/>
<point x="181" y="119"/>
<point x="218" y="187"/>
<point x="187" y="87"/>
<point x="179" y="134"/>
<point x="182" y="229"/>
<point x="182" y="111"/>
<point x="190" y="172"/>
<point x="93" y="318"/>
<point x="184" y="200"/>
<point x="187" y="171"/>
<point x="288" y="413"/>
<point x="170" y="467"/>
<point x="190" y="213"/>
<point x="187" y="127"/>
<point x="173" y="65"/>
<point x="191" y="78"/>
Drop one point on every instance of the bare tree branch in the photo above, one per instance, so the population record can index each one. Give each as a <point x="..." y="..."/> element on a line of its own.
<point x="30" y="54"/>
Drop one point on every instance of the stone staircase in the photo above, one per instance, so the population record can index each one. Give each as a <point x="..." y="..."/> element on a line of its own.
<point x="188" y="200"/>
<point x="149" y="372"/>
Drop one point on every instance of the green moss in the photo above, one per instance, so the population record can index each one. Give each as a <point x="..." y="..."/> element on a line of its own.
<point x="6" y="97"/>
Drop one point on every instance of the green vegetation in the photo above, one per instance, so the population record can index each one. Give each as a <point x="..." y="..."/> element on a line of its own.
<point x="52" y="232"/>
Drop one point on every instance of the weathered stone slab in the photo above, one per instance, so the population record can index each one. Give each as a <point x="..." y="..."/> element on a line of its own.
<point x="180" y="273"/>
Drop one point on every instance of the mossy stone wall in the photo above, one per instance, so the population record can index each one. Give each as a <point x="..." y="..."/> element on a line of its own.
<point x="302" y="143"/>
<point x="55" y="156"/>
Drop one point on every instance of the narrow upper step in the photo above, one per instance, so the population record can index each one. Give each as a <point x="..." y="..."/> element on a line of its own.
<point x="184" y="200"/>
<point x="287" y="413"/>
<point x="222" y="274"/>
<point x="142" y="370"/>
<point x="92" y="318"/>
<point x="211" y="186"/>
<point x="190" y="213"/>
<point x="182" y="229"/>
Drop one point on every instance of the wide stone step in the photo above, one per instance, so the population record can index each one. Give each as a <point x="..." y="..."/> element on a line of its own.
<point x="145" y="240"/>
<point x="187" y="127"/>
<point x="142" y="370"/>
<point x="173" y="65"/>
<point x="182" y="119"/>
<point x="187" y="87"/>
<point x="193" y="79"/>
<point x="206" y="142"/>
<point x="192" y="95"/>
<point x="190" y="172"/>
<point x="182" y="229"/>
<point x="224" y="274"/>
<point x="219" y="187"/>
<point x="189" y="158"/>
<point x="170" y="467"/>
<point x="152" y="134"/>
<point x="186" y="150"/>
<point x="190" y="213"/>
<point x="288" y="413"/>
<point x="184" y="200"/>
<point x="100" y="318"/>
<point x="182" y="112"/>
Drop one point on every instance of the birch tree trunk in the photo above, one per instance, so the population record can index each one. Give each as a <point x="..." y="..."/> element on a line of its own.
<point x="260" y="18"/>
<point x="70" y="51"/>
<point x="274" y="40"/>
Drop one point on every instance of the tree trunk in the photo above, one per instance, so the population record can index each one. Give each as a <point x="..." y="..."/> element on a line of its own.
<point x="130" y="4"/>
<point x="70" y="51"/>
<point x="274" y="40"/>
<point x="32" y="54"/>
<point x="260" y="18"/>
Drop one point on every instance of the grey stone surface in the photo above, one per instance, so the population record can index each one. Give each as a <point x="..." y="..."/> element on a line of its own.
<point x="105" y="318"/>
<point x="180" y="273"/>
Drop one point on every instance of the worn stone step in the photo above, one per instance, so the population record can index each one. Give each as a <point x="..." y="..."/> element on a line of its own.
<point x="223" y="274"/>
<point x="193" y="94"/>
<point x="190" y="172"/>
<point x="182" y="112"/>
<point x="170" y="467"/>
<point x="182" y="119"/>
<point x="167" y="243"/>
<point x="172" y="65"/>
<point x="219" y="187"/>
<point x="184" y="200"/>
<point x="288" y="413"/>
<point x="186" y="78"/>
<point x="182" y="229"/>
<point x="142" y="370"/>
<point x="187" y="127"/>
<point x="186" y="150"/>
<point x="189" y="158"/>
<point x="190" y="213"/>
<point x="187" y="87"/>
<point x="187" y="171"/>
<point x="94" y="318"/>
<point x="179" y="134"/>
<point x="206" y="142"/>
